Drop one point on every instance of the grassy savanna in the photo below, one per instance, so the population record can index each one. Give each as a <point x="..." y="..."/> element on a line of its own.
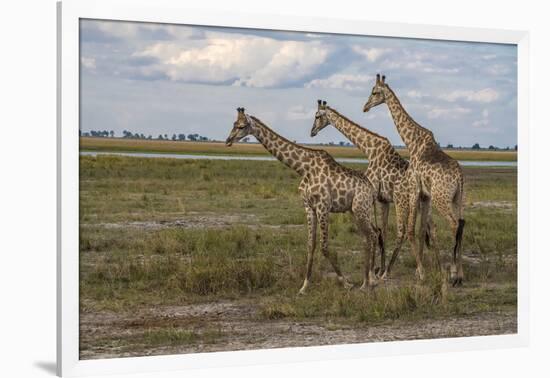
<point x="219" y="148"/>
<point x="199" y="255"/>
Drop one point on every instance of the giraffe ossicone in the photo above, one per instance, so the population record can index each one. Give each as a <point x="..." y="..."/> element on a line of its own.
<point x="326" y="187"/>
<point x="387" y="170"/>
<point x="438" y="177"/>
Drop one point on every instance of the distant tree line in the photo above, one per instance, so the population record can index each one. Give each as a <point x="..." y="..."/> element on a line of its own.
<point x="200" y="138"/>
<point x="98" y="133"/>
<point x="476" y="146"/>
<point x="130" y="135"/>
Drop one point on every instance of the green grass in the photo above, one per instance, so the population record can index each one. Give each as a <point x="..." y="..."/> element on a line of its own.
<point x="409" y="301"/>
<point x="122" y="269"/>
<point x="255" y="149"/>
<point x="171" y="336"/>
<point x="120" y="264"/>
<point x="259" y="255"/>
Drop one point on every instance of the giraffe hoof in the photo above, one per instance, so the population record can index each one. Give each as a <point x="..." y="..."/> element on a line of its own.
<point x="345" y="284"/>
<point x="385" y="276"/>
<point x="457" y="282"/>
<point x="454" y="273"/>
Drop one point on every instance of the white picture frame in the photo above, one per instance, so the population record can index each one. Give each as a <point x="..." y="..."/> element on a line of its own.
<point x="171" y="11"/>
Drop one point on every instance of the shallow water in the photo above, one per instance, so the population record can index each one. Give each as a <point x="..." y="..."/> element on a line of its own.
<point x="467" y="163"/>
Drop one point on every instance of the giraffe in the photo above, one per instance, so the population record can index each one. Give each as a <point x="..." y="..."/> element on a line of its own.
<point x="438" y="177"/>
<point x="387" y="170"/>
<point x="326" y="187"/>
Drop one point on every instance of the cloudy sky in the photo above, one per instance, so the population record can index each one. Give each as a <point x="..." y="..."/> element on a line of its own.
<point x="165" y="79"/>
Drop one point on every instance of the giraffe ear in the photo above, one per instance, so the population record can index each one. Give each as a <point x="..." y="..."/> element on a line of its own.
<point x="324" y="103"/>
<point x="384" y="79"/>
<point x="377" y="78"/>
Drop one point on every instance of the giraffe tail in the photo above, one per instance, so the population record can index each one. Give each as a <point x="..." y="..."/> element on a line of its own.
<point x="458" y="236"/>
<point x="380" y="237"/>
<point x="427" y="238"/>
<point x="381" y="241"/>
<point x="461" y="221"/>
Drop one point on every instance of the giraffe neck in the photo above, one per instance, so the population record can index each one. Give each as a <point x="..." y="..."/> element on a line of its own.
<point x="367" y="141"/>
<point x="415" y="137"/>
<point x="290" y="154"/>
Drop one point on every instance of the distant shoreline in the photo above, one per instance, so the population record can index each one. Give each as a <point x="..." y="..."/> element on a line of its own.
<point x="255" y="149"/>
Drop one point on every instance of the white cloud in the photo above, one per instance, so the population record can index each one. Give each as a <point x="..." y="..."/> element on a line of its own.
<point x="298" y="112"/>
<point x="134" y="30"/>
<point x="314" y="35"/>
<point x="247" y="60"/>
<point x="415" y="94"/>
<point x="88" y="62"/>
<point x="419" y="65"/>
<point x="424" y="62"/>
<point x="481" y="122"/>
<point x="343" y="81"/>
<point x="371" y="115"/>
<point x="486" y="95"/>
<point x="484" y="121"/>
<point x="433" y="69"/>
<point x="447" y="113"/>
<point x="498" y="69"/>
<point x="118" y="29"/>
<point x="372" y="54"/>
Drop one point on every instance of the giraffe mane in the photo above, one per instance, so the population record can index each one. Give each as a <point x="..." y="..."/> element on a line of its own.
<point x="408" y="115"/>
<point x="285" y="139"/>
<point x="356" y="124"/>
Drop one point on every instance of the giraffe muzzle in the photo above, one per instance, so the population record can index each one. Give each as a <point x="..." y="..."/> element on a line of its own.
<point x="229" y="142"/>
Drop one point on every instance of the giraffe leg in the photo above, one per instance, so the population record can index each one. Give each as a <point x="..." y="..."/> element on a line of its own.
<point x="426" y="233"/>
<point x="429" y="231"/>
<point x="385" y="207"/>
<point x="434" y="246"/>
<point x="369" y="277"/>
<point x="331" y="257"/>
<point x="312" y="238"/>
<point x="445" y="206"/>
<point x="411" y="224"/>
<point x="457" y="251"/>
<point x="401" y="215"/>
<point x="361" y="212"/>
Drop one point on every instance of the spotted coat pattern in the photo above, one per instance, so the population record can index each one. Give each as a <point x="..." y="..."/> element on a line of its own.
<point x="438" y="177"/>
<point x="326" y="187"/>
<point x="387" y="170"/>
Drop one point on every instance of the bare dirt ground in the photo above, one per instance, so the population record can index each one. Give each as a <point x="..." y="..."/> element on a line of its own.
<point x="239" y="327"/>
<point x="237" y="324"/>
<point x="501" y="205"/>
<point x="193" y="221"/>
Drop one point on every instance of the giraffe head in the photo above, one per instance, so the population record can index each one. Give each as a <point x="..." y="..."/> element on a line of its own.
<point x="321" y="118"/>
<point x="241" y="127"/>
<point x="378" y="95"/>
